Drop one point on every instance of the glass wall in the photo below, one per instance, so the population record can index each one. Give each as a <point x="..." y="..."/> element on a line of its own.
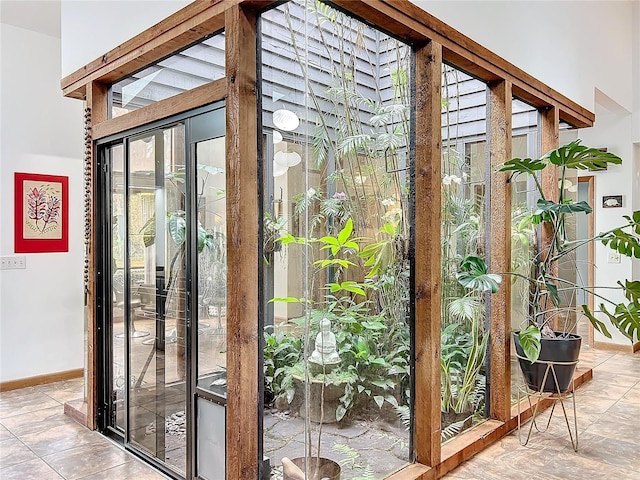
<point x="464" y="179"/>
<point x="195" y="66"/>
<point x="336" y="234"/>
<point x="524" y="240"/>
<point x="157" y="300"/>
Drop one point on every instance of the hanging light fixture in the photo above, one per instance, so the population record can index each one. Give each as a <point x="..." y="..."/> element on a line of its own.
<point x="279" y="170"/>
<point x="285" y="120"/>
<point x="277" y="137"/>
<point x="290" y="159"/>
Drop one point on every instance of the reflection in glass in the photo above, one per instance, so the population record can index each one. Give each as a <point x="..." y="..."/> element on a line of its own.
<point x="464" y="178"/>
<point x="524" y="241"/>
<point x="156" y="289"/>
<point x="118" y="235"/>
<point x="212" y="265"/>
<point x="335" y="232"/>
<point x="195" y="66"/>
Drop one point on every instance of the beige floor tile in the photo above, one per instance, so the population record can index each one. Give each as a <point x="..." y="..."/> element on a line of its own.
<point x="60" y="438"/>
<point x="33" y="469"/>
<point x="64" y="391"/>
<point x="133" y="470"/>
<point x="4" y="433"/>
<point x="36" y="421"/>
<point x="13" y="452"/>
<point x="87" y="459"/>
<point x="10" y="406"/>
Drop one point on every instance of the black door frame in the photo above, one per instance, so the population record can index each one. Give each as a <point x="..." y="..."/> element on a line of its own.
<point x="104" y="311"/>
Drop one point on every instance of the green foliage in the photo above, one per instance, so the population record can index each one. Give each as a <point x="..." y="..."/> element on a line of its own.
<point x="530" y="342"/>
<point x="474" y="275"/>
<point x="553" y="214"/>
<point x="281" y="351"/>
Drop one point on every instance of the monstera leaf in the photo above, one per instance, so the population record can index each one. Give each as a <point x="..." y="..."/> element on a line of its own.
<point x="523" y="165"/>
<point x="474" y="275"/>
<point x="625" y="243"/>
<point x="574" y="155"/>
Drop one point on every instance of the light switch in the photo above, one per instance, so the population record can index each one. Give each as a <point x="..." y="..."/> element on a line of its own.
<point x="614" y="257"/>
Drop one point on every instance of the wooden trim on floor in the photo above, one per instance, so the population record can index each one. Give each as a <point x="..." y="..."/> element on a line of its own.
<point x="427" y="253"/>
<point x="499" y="114"/>
<point x="616" y="347"/>
<point x="415" y="471"/>
<point x="244" y="254"/>
<point x="41" y="379"/>
<point x="183" y="102"/>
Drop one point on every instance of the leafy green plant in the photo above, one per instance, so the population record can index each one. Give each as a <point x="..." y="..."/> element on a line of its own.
<point x="552" y="215"/>
<point x="281" y="351"/>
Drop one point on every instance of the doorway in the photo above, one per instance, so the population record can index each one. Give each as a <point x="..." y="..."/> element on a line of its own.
<point x="162" y="306"/>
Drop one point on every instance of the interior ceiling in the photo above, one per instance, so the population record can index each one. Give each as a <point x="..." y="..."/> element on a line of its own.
<point x="42" y="16"/>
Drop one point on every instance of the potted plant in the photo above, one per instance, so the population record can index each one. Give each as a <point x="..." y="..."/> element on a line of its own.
<point x="549" y="333"/>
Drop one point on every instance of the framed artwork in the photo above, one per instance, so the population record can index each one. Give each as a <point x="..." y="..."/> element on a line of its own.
<point x="41" y="213"/>
<point x="611" y="201"/>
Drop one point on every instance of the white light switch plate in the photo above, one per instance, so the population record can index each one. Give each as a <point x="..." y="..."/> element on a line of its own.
<point x="13" y="262"/>
<point x="614" y="257"/>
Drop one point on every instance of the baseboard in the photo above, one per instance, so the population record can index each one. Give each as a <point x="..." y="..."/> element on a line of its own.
<point x="616" y="347"/>
<point x="41" y="379"/>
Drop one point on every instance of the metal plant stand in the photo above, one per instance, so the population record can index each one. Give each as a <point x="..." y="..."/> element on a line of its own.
<point x="569" y="395"/>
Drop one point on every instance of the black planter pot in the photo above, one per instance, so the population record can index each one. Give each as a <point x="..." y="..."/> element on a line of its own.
<point x="565" y="349"/>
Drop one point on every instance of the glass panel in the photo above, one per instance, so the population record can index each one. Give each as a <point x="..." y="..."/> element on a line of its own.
<point x="524" y="240"/>
<point x="212" y="265"/>
<point x="118" y="234"/>
<point x="212" y="441"/>
<point x="156" y="230"/>
<point x="186" y="70"/>
<point x="464" y="177"/>
<point x="336" y="230"/>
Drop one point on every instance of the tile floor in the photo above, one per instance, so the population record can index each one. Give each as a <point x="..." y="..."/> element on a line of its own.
<point x="37" y="441"/>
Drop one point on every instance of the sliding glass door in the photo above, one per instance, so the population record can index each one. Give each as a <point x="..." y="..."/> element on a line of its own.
<point x="163" y="230"/>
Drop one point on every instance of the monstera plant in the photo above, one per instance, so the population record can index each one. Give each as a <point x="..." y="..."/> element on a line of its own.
<point x="550" y="323"/>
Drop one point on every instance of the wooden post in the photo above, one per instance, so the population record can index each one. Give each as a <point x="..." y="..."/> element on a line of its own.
<point x="242" y="246"/>
<point x="499" y="146"/>
<point x="427" y="338"/>
<point x="549" y="139"/>
<point x="96" y="109"/>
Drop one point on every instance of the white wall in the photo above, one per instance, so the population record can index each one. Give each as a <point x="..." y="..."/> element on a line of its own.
<point x="92" y="28"/>
<point x="572" y="46"/>
<point x="41" y="307"/>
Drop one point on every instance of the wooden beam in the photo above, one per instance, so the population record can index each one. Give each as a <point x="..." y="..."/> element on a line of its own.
<point x="549" y="139"/>
<point x="427" y="194"/>
<point x="96" y="109"/>
<point x="406" y="20"/>
<point x="186" y="26"/>
<point x="183" y="102"/>
<point x="242" y="246"/>
<point x="499" y="116"/>
<point x="401" y="18"/>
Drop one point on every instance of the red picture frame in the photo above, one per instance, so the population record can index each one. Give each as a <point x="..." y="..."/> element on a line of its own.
<point x="41" y="213"/>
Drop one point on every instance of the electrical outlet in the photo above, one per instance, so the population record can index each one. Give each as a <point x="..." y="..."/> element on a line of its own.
<point x="614" y="257"/>
<point x="13" y="262"/>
